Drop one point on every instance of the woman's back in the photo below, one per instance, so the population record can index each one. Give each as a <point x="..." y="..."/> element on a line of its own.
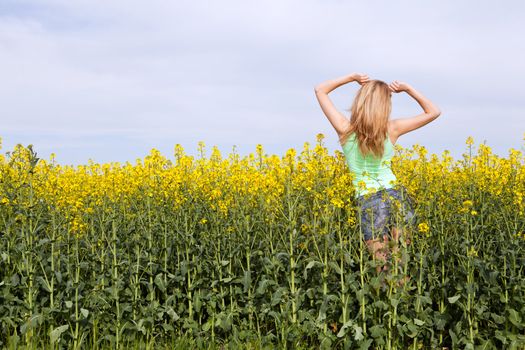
<point x="370" y="173"/>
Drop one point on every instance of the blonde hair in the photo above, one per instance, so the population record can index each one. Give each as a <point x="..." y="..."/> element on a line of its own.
<point x="370" y="113"/>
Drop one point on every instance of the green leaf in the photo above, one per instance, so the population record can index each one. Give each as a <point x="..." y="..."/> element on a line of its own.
<point x="197" y="303"/>
<point x="358" y="332"/>
<point x="84" y="312"/>
<point x="413" y="330"/>
<point x="378" y="331"/>
<point x="276" y="297"/>
<point x="44" y="284"/>
<point x="342" y="331"/>
<point x="326" y="343"/>
<point x="334" y="265"/>
<point x="55" y="333"/>
<point x="497" y="318"/>
<point x="227" y="322"/>
<point x="15" y="280"/>
<point x="172" y="314"/>
<point x="453" y="336"/>
<point x="263" y="285"/>
<point x="515" y="318"/>
<point x="366" y="344"/>
<point x="69" y="304"/>
<point x="425" y="299"/>
<point x="418" y="322"/>
<point x="159" y="282"/>
<point x="310" y="265"/>
<point x="167" y="327"/>
<point x="453" y="299"/>
<point x="247" y="280"/>
<point x="381" y="305"/>
<point x="207" y="325"/>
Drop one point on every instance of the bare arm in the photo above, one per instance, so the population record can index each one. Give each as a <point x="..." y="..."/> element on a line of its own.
<point x="431" y="111"/>
<point x="336" y="118"/>
<point x="333" y="84"/>
<point x="424" y="102"/>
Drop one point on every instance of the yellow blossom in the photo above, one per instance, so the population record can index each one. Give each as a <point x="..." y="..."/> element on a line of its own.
<point x="337" y="202"/>
<point x="468" y="203"/>
<point x="423" y="227"/>
<point x="472" y="252"/>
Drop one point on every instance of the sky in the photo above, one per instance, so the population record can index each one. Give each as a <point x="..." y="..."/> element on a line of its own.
<point x="110" y="80"/>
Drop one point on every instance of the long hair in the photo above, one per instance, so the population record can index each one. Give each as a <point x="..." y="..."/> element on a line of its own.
<point x="370" y="113"/>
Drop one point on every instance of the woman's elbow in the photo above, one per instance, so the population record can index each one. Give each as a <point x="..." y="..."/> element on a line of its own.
<point x="436" y="112"/>
<point x="318" y="89"/>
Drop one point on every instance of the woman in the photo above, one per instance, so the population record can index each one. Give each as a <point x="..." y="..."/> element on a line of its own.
<point x="368" y="140"/>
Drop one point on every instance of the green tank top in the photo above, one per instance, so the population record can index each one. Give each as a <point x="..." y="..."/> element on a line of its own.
<point x="375" y="173"/>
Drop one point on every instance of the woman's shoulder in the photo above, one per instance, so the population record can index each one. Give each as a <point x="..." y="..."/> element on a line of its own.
<point x="392" y="133"/>
<point x="350" y="136"/>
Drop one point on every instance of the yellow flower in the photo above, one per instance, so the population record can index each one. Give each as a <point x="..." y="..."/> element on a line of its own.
<point x="423" y="227"/>
<point x="203" y="221"/>
<point x="472" y="252"/>
<point x="473" y="212"/>
<point x="470" y="140"/>
<point x="337" y="202"/>
<point x="361" y="185"/>
<point x="468" y="203"/>
<point x="351" y="221"/>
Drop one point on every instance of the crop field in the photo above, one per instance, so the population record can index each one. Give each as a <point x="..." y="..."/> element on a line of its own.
<point x="262" y="251"/>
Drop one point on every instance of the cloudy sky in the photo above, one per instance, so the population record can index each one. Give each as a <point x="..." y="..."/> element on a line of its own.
<point x="109" y="80"/>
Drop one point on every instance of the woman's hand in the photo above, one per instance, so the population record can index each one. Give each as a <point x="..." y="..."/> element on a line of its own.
<point x="397" y="86"/>
<point x="332" y="84"/>
<point x="360" y="78"/>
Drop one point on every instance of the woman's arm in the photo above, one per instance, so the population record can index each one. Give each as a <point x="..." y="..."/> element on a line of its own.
<point x="330" y="85"/>
<point x="336" y="118"/>
<point x="425" y="103"/>
<point x="431" y="111"/>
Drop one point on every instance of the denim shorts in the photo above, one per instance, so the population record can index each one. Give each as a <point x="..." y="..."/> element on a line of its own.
<point x="378" y="214"/>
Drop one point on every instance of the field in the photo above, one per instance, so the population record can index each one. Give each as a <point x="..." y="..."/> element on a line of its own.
<point x="259" y="251"/>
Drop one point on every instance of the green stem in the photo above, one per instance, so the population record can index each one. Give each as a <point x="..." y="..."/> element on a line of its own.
<point x="115" y="283"/>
